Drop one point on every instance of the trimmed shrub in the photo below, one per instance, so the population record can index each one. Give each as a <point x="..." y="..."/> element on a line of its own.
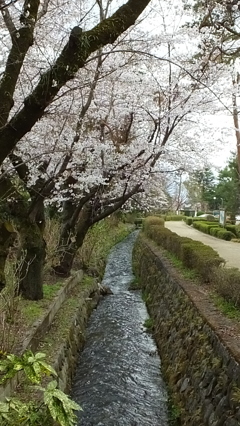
<point x="152" y="220"/>
<point x="225" y="235"/>
<point x="227" y="284"/>
<point x="237" y="228"/>
<point x="159" y="234"/>
<point x="214" y="231"/>
<point x="231" y="228"/>
<point x="205" y="219"/>
<point x="188" y="220"/>
<point x="205" y="226"/>
<point x="198" y="256"/>
<point x="175" y="217"/>
<point x="194" y="254"/>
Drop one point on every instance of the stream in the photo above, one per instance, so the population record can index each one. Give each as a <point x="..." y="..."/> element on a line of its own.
<point x="118" y="379"/>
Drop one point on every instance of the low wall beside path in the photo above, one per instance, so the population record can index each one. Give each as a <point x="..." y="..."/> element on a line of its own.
<point x="200" y="352"/>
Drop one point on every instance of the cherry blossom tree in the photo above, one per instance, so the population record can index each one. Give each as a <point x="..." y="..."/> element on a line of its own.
<point x="91" y="125"/>
<point x="34" y="70"/>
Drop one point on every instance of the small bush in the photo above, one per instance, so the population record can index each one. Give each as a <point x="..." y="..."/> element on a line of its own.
<point x="189" y="220"/>
<point x="237" y="230"/>
<point x="214" y="231"/>
<point x="202" y="258"/>
<point x="159" y="234"/>
<point x="152" y="220"/>
<point x="231" y="228"/>
<point x="227" y="284"/>
<point x="225" y="235"/>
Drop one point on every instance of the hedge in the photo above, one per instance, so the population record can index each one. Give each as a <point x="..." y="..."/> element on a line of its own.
<point x="227" y="284"/>
<point x="152" y="220"/>
<point x="231" y="228"/>
<point x="188" y="220"/>
<point x="194" y="254"/>
<point x="222" y="233"/>
<point x="215" y="230"/>
<point x="175" y="217"/>
<point x="204" y="226"/>
<point x="199" y="257"/>
<point x="225" y="235"/>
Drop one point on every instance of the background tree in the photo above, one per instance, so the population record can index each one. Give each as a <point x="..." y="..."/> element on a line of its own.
<point x="228" y="188"/>
<point x="201" y="187"/>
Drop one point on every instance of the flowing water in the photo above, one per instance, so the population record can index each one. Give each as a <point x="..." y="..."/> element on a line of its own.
<point x="118" y="380"/>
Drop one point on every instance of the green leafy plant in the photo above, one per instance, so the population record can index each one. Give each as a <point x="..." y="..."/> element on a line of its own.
<point x="60" y="406"/>
<point x="148" y="323"/>
<point x="33" y="366"/>
<point x="54" y="404"/>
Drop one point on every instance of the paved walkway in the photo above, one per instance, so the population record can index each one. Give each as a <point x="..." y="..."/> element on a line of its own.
<point x="226" y="249"/>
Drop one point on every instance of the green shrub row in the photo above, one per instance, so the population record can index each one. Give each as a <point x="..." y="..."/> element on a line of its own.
<point x="205" y="226"/>
<point x="194" y="254"/>
<point x="235" y="229"/>
<point x="213" y="228"/>
<point x="168" y="217"/>
<point x="202" y="258"/>
<point x="175" y="217"/>
<point x="222" y="233"/>
<point x="191" y="220"/>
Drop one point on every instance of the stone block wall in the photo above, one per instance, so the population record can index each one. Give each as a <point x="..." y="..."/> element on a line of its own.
<point x="201" y="369"/>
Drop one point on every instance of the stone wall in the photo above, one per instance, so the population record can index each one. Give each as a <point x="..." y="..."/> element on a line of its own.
<point x="66" y="355"/>
<point x="200" y="360"/>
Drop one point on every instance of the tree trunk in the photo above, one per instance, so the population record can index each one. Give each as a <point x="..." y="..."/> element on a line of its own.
<point x="33" y="248"/>
<point x="7" y="236"/>
<point x="31" y="265"/>
<point x="67" y="226"/>
<point x="67" y="255"/>
<point x="236" y="120"/>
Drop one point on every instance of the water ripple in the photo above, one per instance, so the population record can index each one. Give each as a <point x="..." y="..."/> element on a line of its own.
<point x="118" y="380"/>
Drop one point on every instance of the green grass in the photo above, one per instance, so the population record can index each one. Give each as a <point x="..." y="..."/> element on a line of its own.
<point x="87" y="281"/>
<point x="31" y="311"/>
<point x="135" y="284"/>
<point x="59" y="330"/>
<point x="174" y="414"/>
<point x="186" y="272"/>
<point x="145" y="296"/>
<point x="226" y="307"/>
<point x="148" y="323"/>
<point x="50" y="291"/>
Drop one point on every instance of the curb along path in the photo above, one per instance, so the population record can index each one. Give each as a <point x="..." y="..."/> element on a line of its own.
<point x="226" y="249"/>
